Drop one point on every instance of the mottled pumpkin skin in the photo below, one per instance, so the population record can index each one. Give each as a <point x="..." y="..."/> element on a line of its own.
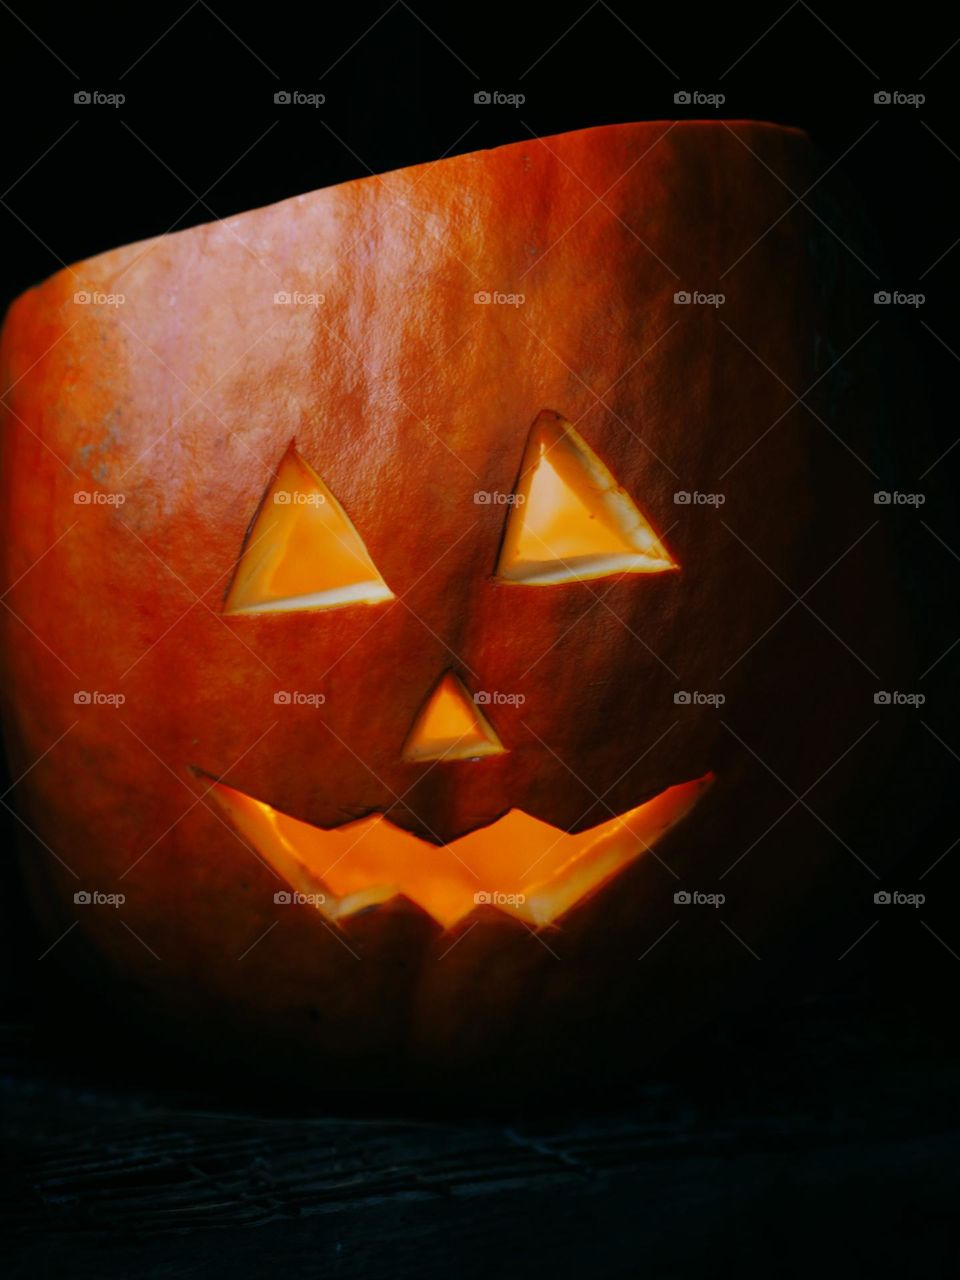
<point x="407" y="396"/>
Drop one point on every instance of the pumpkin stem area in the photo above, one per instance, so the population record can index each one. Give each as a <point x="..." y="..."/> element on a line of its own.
<point x="519" y="864"/>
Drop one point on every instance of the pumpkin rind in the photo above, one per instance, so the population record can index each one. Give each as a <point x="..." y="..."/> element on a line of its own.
<point x="409" y="397"/>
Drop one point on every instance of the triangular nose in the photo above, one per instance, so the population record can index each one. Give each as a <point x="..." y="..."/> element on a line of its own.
<point x="450" y="726"/>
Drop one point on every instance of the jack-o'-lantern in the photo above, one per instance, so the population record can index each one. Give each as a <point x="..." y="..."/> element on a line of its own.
<point x="397" y="584"/>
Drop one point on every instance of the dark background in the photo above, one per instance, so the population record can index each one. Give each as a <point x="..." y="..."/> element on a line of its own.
<point x="834" y="1103"/>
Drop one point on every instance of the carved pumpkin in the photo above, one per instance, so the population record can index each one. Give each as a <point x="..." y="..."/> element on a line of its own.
<point x="413" y="627"/>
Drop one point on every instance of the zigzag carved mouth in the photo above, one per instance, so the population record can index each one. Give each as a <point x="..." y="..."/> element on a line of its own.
<point x="519" y="864"/>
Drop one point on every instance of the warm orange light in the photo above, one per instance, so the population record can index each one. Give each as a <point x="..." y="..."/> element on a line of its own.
<point x="451" y="726"/>
<point x="303" y="551"/>
<point x="526" y="867"/>
<point x="571" y="521"/>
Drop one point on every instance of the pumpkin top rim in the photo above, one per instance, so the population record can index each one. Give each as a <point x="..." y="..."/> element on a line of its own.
<point x="100" y="260"/>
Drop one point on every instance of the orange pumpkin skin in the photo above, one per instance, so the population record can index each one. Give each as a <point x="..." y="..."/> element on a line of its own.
<point x="408" y="397"/>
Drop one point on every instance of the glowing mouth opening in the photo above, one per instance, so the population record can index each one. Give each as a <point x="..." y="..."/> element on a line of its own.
<point x="524" y="867"/>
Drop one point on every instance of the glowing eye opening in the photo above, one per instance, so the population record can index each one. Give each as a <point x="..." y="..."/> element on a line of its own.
<point x="570" y="520"/>
<point x="302" y="551"/>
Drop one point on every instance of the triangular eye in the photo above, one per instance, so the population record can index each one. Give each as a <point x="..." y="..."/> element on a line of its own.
<point x="302" y="551"/>
<point x="450" y="726"/>
<point x="570" y="520"/>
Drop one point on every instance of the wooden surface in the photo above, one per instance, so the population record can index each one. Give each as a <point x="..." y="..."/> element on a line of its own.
<point x="822" y="1139"/>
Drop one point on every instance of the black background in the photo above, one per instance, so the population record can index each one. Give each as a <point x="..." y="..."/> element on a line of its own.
<point x="200" y="137"/>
